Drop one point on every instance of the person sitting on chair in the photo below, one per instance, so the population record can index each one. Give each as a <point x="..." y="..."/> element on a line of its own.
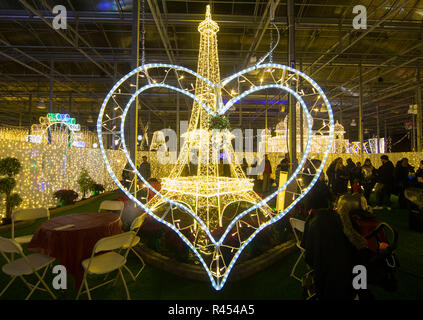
<point x="327" y="250"/>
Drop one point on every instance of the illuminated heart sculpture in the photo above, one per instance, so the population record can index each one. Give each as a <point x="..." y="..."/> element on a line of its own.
<point x="219" y="248"/>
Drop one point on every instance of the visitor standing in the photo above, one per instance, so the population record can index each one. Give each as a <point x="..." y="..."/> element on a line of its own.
<point x="385" y="179"/>
<point x="245" y="166"/>
<point x="340" y="184"/>
<point x="282" y="166"/>
<point x="403" y="172"/>
<point x="350" y="169"/>
<point x="145" y="168"/>
<point x="419" y="176"/>
<point x="266" y="174"/>
<point x="330" y="172"/>
<point x="369" y="178"/>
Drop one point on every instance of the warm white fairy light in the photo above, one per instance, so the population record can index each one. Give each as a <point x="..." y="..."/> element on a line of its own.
<point x="202" y="197"/>
<point x="49" y="168"/>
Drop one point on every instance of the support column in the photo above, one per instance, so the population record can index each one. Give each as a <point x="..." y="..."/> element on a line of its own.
<point x="70" y="103"/>
<point x="419" y="113"/>
<point x="50" y="105"/>
<point x="133" y="112"/>
<point x="385" y="130"/>
<point x="30" y="112"/>
<point x="360" y="112"/>
<point x="111" y="139"/>
<point x="377" y="128"/>
<point x="301" y="119"/>
<point x="178" y="127"/>
<point x="292" y="117"/>
<point x="265" y="115"/>
<point x="265" y="128"/>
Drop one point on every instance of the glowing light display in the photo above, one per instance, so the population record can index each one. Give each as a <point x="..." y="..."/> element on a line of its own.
<point x="57" y="129"/>
<point x="217" y="216"/>
<point x="47" y="168"/>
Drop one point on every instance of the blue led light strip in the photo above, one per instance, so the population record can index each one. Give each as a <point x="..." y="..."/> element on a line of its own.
<point x="218" y="284"/>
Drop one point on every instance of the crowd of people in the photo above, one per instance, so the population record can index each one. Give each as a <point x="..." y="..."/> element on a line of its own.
<point x="332" y="238"/>
<point x="336" y="238"/>
<point x="385" y="180"/>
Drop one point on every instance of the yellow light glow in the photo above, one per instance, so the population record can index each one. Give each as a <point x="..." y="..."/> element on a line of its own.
<point x="204" y="187"/>
<point x="49" y="168"/>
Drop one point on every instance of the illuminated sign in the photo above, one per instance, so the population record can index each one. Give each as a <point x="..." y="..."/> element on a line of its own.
<point x="65" y="118"/>
<point x="58" y="129"/>
<point x="34" y="138"/>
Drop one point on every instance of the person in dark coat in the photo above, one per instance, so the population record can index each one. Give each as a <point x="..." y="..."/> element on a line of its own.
<point x="385" y="176"/>
<point x="330" y="172"/>
<point x="419" y="176"/>
<point x="369" y="178"/>
<point x="266" y="174"/>
<point x="403" y="172"/>
<point x="245" y="166"/>
<point x="327" y="250"/>
<point x="318" y="196"/>
<point x="350" y="168"/>
<point x="340" y="184"/>
<point x="145" y="168"/>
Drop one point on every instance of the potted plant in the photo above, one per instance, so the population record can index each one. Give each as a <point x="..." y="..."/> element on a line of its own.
<point x="85" y="182"/>
<point x="97" y="189"/>
<point x="65" y="197"/>
<point x="9" y="167"/>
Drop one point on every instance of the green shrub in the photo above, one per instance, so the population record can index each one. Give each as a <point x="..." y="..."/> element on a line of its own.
<point x="85" y="182"/>
<point x="9" y="167"/>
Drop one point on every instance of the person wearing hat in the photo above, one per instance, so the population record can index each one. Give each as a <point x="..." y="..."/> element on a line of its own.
<point x="385" y="177"/>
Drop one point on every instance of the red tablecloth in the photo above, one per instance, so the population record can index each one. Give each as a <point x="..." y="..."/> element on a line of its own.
<point x="72" y="245"/>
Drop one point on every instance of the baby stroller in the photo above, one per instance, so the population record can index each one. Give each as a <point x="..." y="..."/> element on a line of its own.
<point x="379" y="255"/>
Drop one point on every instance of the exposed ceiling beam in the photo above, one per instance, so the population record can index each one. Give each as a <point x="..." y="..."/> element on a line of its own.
<point x="352" y="43"/>
<point x="64" y="36"/>
<point x="264" y="23"/>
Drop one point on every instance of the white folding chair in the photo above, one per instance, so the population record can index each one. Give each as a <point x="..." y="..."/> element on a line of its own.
<point x="106" y="262"/>
<point x="297" y="226"/>
<point x="112" y="206"/>
<point x="135" y="226"/>
<point x="26" y="265"/>
<point x="27" y="214"/>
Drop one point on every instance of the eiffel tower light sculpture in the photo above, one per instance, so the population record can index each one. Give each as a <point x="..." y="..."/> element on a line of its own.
<point x="202" y="187"/>
<point x="217" y="215"/>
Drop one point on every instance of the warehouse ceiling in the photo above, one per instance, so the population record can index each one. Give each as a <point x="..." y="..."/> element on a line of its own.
<point x="79" y="65"/>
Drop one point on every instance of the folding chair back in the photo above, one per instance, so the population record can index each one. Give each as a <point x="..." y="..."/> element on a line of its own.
<point x="297" y="226"/>
<point x="138" y="221"/>
<point x="112" y="206"/>
<point x="113" y="242"/>
<point x="28" y="214"/>
<point x="9" y="246"/>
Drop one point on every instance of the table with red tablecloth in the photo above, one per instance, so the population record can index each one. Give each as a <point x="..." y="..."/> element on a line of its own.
<point x="74" y="243"/>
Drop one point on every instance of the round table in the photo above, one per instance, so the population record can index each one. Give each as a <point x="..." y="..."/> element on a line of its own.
<point x="73" y="244"/>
